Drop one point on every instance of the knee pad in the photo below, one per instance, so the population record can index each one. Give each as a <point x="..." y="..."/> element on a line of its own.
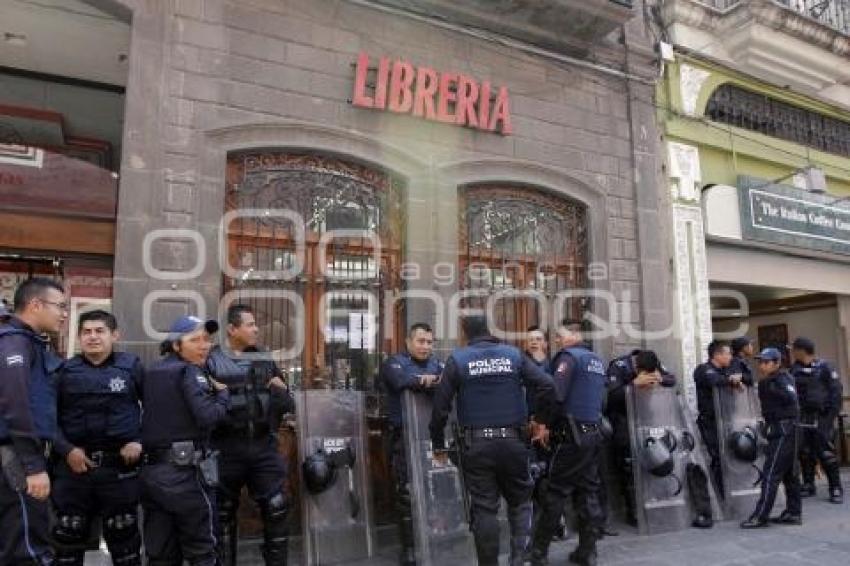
<point x="121" y="527"/>
<point x="71" y="529"/>
<point x="275" y="508"/>
<point x="829" y="458"/>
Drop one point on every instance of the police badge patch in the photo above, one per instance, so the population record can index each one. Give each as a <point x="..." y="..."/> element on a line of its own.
<point x="117" y="384"/>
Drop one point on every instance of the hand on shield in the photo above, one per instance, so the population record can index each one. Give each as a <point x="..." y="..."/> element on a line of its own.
<point x="539" y="434"/>
<point x="648" y="379"/>
<point x="429" y="380"/>
<point x="441" y="458"/>
<point x="735" y="380"/>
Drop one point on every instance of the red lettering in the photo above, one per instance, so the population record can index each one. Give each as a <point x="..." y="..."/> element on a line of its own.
<point x="401" y="97"/>
<point x="451" y="98"/>
<point x="467" y="94"/>
<point x="501" y="112"/>
<point x="381" y="85"/>
<point x="426" y="88"/>
<point x="447" y="95"/>
<point x="484" y="105"/>
<point x="360" y="98"/>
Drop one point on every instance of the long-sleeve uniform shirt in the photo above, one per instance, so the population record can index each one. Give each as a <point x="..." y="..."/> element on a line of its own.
<point x="27" y="394"/>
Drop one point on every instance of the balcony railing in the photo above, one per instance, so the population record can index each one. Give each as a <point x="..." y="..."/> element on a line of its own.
<point x="834" y="13"/>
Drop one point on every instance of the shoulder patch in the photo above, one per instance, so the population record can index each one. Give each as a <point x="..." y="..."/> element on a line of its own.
<point x="620" y="363"/>
<point x="834" y="374"/>
<point x="14" y="360"/>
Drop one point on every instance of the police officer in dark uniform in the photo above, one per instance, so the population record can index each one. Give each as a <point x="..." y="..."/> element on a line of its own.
<point x="643" y="369"/>
<point x="27" y="421"/>
<point x="819" y="389"/>
<point x="415" y="369"/>
<point x="781" y="412"/>
<point x="742" y="350"/>
<point x="247" y="440"/>
<point x="488" y="377"/>
<point x="99" y="445"/>
<point x="709" y="376"/>
<point x="182" y="406"/>
<point x="580" y="390"/>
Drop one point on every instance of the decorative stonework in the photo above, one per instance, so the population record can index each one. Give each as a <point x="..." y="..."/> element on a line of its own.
<point x="693" y="295"/>
<point x="685" y="173"/>
<point x="691" y="81"/>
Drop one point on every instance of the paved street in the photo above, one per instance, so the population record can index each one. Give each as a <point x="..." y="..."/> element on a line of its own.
<point x="823" y="540"/>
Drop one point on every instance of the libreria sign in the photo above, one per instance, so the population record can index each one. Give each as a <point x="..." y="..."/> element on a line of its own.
<point x="452" y="98"/>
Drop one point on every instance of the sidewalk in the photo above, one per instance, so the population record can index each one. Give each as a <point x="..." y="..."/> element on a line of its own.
<point x="822" y="540"/>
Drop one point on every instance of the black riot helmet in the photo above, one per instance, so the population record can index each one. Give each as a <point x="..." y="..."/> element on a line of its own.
<point x="744" y="444"/>
<point x="319" y="472"/>
<point x="658" y="455"/>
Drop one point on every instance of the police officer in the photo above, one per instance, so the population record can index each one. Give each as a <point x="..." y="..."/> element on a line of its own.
<point x="182" y="406"/>
<point x="709" y="376"/>
<point x="580" y="385"/>
<point x="780" y="411"/>
<point x="742" y="351"/>
<point x="643" y="369"/>
<point x="415" y="369"/>
<point x="488" y="377"/>
<point x="247" y="440"/>
<point x="99" y="445"/>
<point x="27" y="420"/>
<point x="819" y="389"/>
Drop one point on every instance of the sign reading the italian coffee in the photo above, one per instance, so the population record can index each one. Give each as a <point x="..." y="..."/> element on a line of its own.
<point x="452" y="98"/>
<point x="793" y="217"/>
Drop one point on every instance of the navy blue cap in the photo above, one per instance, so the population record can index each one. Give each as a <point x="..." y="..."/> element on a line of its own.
<point x="187" y="324"/>
<point x="770" y="354"/>
<point x="802" y="343"/>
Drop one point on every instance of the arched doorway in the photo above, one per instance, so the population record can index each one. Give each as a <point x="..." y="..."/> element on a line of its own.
<point x="342" y="280"/>
<point x="518" y="238"/>
<point x="299" y="199"/>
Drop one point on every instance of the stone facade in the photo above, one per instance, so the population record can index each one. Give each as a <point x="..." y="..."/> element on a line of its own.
<point x="212" y="76"/>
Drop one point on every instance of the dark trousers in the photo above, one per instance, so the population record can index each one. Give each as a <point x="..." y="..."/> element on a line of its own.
<point x="24" y="528"/>
<point x="708" y="432"/>
<point x="573" y="475"/>
<point x="401" y="486"/>
<point x="494" y="469"/>
<point x="179" y="516"/>
<point x="112" y="493"/>
<point x="622" y="451"/>
<point x="816" y="445"/>
<point x="257" y="465"/>
<point x="780" y="467"/>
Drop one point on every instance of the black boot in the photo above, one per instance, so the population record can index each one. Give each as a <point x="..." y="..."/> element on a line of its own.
<point x="755" y="523"/>
<point x="538" y="557"/>
<point x="787" y="518"/>
<point x="70" y="558"/>
<point x="836" y="495"/>
<point x="807" y="489"/>
<point x="585" y="554"/>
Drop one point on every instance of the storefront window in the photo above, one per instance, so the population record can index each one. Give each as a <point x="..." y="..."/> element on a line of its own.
<point x="515" y="238"/>
<point x="343" y="279"/>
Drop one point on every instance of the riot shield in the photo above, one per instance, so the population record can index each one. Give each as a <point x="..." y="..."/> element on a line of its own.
<point x="337" y="520"/>
<point x="741" y="456"/>
<point x="663" y="443"/>
<point x="440" y="525"/>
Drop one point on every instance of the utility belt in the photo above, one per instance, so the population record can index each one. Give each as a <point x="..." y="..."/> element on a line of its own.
<point x="253" y="431"/>
<point x="489" y="433"/>
<point x="185" y="454"/>
<point x="105" y="458"/>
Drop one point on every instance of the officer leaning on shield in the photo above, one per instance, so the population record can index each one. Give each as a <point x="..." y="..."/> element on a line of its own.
<point x="182" y="437"/>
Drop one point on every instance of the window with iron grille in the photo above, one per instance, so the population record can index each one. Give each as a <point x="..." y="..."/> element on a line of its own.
<point x="739" y="107"/>
<point x="517" y="238"/>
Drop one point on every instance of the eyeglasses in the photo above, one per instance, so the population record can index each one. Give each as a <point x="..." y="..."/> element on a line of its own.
<point x="60" y="306"/>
